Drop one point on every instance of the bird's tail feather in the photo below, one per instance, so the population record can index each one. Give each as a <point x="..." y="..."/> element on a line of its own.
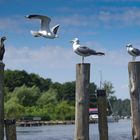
<point x="100" y="53"/>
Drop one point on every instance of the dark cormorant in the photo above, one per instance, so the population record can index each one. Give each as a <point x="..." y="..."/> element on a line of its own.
<point x="2" y="49"/>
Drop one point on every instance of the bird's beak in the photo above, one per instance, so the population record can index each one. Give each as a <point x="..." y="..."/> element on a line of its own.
<point x="27" y="16"/>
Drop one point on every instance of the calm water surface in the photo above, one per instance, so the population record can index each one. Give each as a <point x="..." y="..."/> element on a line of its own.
<point x="117" y="131"/>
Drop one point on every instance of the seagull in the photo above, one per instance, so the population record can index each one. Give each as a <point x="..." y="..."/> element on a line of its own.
<point x="133" y="51"/>
<point x="2" y="48"/>
<point x="45" y="30"/>
<point x="83" y="50"/>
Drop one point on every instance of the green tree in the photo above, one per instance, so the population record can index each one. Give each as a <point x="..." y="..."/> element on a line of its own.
<point x="15" y="78"/>
<point x="48" y="97"/>
<point x="64" y="111"/>
<point x="126" y="107"/>
<point x="27" y="96"/>
<point x="122" y="107"/>
<point x="51" y="111"/>
<point x="68" y="91"/>
<point x="58" y="87"/>
<point x="92" y="88"/>
<point x="13" y="109"/>
<point x="108" y="87"/>
<point x="19" y="78"/>
<point x="41" y="83"/>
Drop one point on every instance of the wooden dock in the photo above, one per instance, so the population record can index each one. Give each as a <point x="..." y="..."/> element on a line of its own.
<point x="41" y="123"/>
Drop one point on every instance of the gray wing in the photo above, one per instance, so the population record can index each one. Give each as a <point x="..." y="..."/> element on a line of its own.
<point x="136" y="51"/>
<point x="45" y="21"/>
<point x="85" y="50"/>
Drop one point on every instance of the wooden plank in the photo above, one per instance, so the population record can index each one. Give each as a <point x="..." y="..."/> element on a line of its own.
<point x="1" y="100"/>
<point x="10" y="129"/>
<point x="82" y="102"/>
<point x="134" y="88"/>
<point x="102" y="113"/>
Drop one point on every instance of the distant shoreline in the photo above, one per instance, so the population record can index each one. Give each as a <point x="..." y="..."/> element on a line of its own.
<point x="41" y="123"/>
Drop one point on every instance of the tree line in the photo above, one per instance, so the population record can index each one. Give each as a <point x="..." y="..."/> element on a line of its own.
<point x="29" y="95"/>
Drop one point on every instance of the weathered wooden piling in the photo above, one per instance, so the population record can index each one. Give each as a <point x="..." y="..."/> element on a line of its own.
<point x="102" y="113"/>
<point x="10" y="129"/>
<point x="82" y="102"/>
<point x="134" y="88"/>
<point x="1" y="100"/>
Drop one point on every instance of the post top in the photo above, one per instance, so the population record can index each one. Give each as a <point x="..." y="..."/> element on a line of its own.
<point x="10" y="122"/>
<point x="83" y="64"/>
<point x="101" y="92"/>
<point x="134" y="61"/>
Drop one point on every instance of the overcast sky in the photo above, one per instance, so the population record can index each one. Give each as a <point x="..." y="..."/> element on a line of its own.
<point x="103" y="25"/>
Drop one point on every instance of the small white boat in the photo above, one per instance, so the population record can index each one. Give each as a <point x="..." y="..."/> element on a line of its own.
<point x="94" y="118"/>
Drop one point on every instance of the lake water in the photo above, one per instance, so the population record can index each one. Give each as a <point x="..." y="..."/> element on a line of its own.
<point x="117" y="131"/>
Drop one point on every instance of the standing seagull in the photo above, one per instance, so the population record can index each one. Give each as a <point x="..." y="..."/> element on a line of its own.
<point x="2" y="48"/>
<point x="45" y="30"/>
<point x="133" y="51"/>
<point x="83" y="50"/>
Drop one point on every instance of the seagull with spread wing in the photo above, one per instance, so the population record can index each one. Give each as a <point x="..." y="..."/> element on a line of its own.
<point x="45" y="30"/>
<point x="134" y="52"/>
<point x="83" y="50"/>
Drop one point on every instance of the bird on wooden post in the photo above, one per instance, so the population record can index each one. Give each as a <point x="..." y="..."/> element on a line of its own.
<point x="45" y="30"/>
<point x="134" y="52"/>
<point x="2" y="48"/>
<point x="83" y="50"/>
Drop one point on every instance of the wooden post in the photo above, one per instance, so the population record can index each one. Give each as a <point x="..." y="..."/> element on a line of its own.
<point x="102" y="113"/>
<point x="134" y="88"/>
<point x="82" y="102"/>
<point x="1" y="100"/>
<point x="10" y="129"/>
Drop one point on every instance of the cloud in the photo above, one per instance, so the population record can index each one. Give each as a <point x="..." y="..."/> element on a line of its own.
<point x="15" y="24"/>
<point x="128" y="17"/>
<point x="105" y="17"/>
<point x="39" y="60"/>
<point x="57" y="58"/>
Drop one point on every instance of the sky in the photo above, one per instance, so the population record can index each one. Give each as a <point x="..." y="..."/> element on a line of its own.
<point x="103" y="25"/>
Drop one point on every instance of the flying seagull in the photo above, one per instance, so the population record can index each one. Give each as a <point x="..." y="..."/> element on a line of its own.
<point x="2" y="48"/>
<point x="83" y="50"/>
<point x="133" y="51"/>
<point x="45" y="30"/>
